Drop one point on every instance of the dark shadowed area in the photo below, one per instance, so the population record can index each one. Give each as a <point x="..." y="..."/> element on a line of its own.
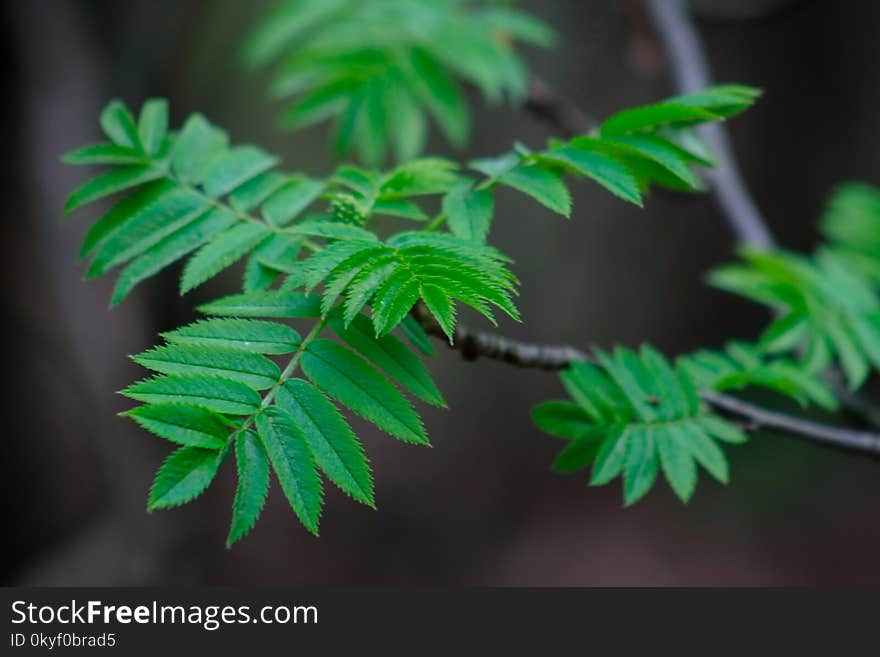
<point x="481" y="507"/>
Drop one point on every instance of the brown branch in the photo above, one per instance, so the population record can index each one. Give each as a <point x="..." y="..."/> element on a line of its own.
<point x="473" y="345"/>
<point x="856" y="441"/>
<point x="690" y="69"/>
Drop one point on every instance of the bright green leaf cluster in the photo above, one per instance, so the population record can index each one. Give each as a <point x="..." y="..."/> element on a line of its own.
<point x="437" y="268"/>
<point x="825" y="308"/>
<point x="194" y="196"/>
<point x="186" y="192"/>
<point x="634" y="415"/>
<point x="742" y="365"/>
<point x="626" y="154"/>
<point x="190" y="194"/>
<point x="851" y="224"/>
<point x="378" y="69"/>
<point x="218" y="390"/>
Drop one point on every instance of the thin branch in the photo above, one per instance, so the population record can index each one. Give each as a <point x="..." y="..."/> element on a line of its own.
<point x="473" y="345"/>
<point x="560" y="113"/>
<point x="857" y="441"/>
<point x="690" y="68"/>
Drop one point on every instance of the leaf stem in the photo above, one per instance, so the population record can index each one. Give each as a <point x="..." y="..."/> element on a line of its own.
<point x="286" y="373"/>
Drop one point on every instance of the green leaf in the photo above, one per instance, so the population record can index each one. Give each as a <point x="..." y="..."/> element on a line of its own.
<point x="293" y="464"/>
<point x="662" y="153"/>
<point x="416" y="335"/>
<point x="441" y="95"/>
<point x="104" y="154"/>
<point x="253" y="370"/>
<point x="707" y="453"/>
<point x="158" y="217"/>
<point x="285" y="22"/>
<point x="441" y="307"/>
<point x="855" y="367"/>
<point x="253" y="485"/>
<point x="640" y="469"/>
<point x="139" y="201"/>
<point x="265" y="303"/>
<point x="288" y="201"/>
<point x="244" y="334"/>
<point x="211" y="392"/>
<point x="410" y="124"/>
<point x="724" y="100"/>
<point x="469" y="211"/>
<point x="319" y="105"/>
<point x="186" y="425"/>
<point x="183" y="476"/>
<point x="250" y="195"/>
<point x="235" y="167"/>
<point x="635" y="414"/>
<point x="111" y="182"/>
<point x="608" y="172"/>
<point x="258" y="273"/>
<point x="721" y="429"/>
<point x="398" y="208"/>
<point x="169" y="250"/>
<point x="563" y="419"/>
<point x="331" y="441"/>
<point x="826" y="303"/>
<point x="428" y="175"/>
<point x="332" y="230"/>
<point x="153" y="125"/>
<point x="785" y="334"/>
<point x="393" y="301"/>
<point x="351" y="381"/>
<point x="197" y="146"/>
<point x="118" y="124"/>
<point x="742" y="365"/>
<point x="389" y="354"/>
<point x="580" y="452"/>
<point x="654" y="117"/>
<point x="594" y="392"/>
<point x="322" y="263"/>
<point x="365" y="183"/>
<point x="365" y="284"/>
<point x="671" y="394"/>
<point x="342" y="277"/>
<point x="543" y="185"/>
<point x="623" y="368"/>
<point x="677" y="462"/>
<point x="519" y="24"/>
<point x="222" y="252"/>
<point x="610" y="458"/>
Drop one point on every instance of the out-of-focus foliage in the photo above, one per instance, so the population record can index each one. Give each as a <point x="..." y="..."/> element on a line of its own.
<point x="851" y="224"/>
<point x="378" y="69"/>
<point x="824" y="307"/>
<point x="740" y="365"/>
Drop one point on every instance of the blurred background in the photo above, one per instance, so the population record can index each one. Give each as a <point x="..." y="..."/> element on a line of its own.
<point x="482" y="506"/>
